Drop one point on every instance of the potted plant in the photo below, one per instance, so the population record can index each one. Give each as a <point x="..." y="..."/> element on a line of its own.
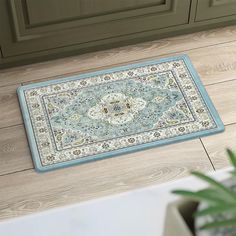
<point x="207" y="212"/>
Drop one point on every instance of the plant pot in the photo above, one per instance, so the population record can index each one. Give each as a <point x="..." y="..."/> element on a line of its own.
<point x="179" y="218"/>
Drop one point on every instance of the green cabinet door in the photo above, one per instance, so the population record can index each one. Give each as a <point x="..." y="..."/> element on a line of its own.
<point x="211" y="9"/>
<point x="51" y="11"/>
<point x="30" y="26"/>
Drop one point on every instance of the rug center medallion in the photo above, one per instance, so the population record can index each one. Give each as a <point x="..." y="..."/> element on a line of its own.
<point x="117" y="108"/>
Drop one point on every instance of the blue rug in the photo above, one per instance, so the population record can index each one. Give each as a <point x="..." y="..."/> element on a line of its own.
<point x="111" y="112"/>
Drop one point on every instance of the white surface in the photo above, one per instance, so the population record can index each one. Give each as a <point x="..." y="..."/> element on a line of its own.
<point x="135" y="213"/>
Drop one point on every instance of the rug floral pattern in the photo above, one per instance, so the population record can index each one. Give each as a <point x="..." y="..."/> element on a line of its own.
<point x="84" y="117"/>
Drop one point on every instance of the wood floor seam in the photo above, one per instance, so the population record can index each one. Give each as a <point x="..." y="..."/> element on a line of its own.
<point x="10" y="126"/>
<point x="207" y="154"/>
<point x="11" y="173"/>
<point x="233" y="123"/>
<point x="221" y="82"/>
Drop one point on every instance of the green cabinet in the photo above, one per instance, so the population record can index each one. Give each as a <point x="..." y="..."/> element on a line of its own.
<point x="211" y="9"/>
<point x="48" y="12"/>
<point x="45" y="24"/>
<point x="34" y="30"/>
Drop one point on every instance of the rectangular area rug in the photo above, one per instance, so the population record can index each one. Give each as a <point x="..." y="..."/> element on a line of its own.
<point x="109" y="112"/>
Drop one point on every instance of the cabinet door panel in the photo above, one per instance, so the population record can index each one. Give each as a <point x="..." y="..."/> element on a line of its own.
<point x="29" y="33"/>
<point x="210" y="9"/>
<point x="44" y="11"/>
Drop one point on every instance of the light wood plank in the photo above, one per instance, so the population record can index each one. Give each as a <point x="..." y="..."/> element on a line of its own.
<point x="29" y="191"/>
<point x="223" y="96"/>
<point x="215" y="63"/>
<point x="9" y="107"/>
<point x="216" y="145"/>
<point x="14" y="151"/>
<point x="93" y="61"/>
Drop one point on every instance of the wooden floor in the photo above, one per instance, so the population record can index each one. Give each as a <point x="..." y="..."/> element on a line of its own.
<point x="23" y="191"/>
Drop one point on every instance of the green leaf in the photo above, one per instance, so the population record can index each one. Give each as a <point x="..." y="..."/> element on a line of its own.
<point x="216" y="194"/>
<point x="199" y="196"/>
<point x="219" y="224"/>
<point x="233" y="172"/>
<point x="232" y="157"/>
<point x="216" y="184"/>
<point x="216" y="210"/>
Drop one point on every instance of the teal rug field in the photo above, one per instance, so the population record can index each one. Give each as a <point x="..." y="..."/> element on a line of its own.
<point x="110" y="112"/>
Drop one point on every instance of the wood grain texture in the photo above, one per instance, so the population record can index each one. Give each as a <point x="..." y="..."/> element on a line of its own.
<point x="216" y="145"/>
<point x="30" y="191"/>
<point x="103" y="59"/>
<point x="14" y="150"/>
<point x="216" y="63"/>
<point x="9" y="107"/>
<point x="223" y="96"/>
<point x="220" y="69"/>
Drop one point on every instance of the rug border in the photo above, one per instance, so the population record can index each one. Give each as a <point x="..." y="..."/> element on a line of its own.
<point x="192" y="71"/>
